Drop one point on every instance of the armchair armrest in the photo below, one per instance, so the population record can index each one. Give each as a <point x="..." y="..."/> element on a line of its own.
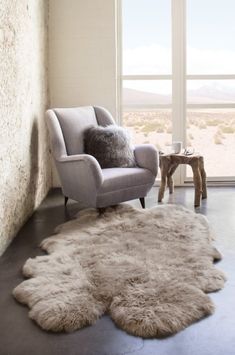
<point x="81" y="177"/>
<point x="84" y="162"/>
<point x="146" y="156"/>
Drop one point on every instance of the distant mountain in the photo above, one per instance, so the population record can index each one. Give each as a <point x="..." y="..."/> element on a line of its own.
<point x="135" y="97"/>
<point x="205" y="94"/>
<point x="212" y="93"/>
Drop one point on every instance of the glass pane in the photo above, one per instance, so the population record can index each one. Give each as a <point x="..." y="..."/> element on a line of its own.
<point x="210" y="91"/>
<point x="148" y="92"/>
<point x="146" y="37"/>
<point x="212" y="133"/>
<point x="210" y="37"/>
<point x="153" y="127"/>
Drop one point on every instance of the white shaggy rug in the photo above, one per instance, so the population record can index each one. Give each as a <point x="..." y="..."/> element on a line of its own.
<point x="150" y="270"/>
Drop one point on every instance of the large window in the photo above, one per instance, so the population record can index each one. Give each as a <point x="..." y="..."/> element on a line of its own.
<point x="147" y="70"/>
<point x="210" y="83"/>
<point x="178" y="78"/>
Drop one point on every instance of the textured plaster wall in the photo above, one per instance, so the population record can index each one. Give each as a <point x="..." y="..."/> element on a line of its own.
<point x="25" y="172"/>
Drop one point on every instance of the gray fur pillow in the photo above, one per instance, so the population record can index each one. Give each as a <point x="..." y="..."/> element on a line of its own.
<point x="110" y="146"/>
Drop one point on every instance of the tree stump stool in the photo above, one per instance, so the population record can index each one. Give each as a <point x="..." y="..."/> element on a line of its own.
<point x="169" y="164"/>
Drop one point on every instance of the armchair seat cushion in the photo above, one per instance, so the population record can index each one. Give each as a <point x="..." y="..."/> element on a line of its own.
<point x="122" y="178"/>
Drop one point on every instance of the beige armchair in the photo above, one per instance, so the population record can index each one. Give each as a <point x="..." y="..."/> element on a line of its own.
<point x="81" y="176"/>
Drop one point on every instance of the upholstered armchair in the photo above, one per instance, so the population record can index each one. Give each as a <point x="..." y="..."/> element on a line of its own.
<point x="81" y="176"/>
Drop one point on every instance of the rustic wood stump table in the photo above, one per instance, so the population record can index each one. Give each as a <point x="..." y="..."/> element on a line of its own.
<point x="169" y="164"/>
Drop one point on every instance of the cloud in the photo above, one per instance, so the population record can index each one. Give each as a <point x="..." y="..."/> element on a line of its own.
<point x="157" y="60"/>
<point x="204" y="61"/>
<point x="147" y="60"/>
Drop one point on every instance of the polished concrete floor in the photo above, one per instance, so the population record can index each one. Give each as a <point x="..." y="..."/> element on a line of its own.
<point x="213" y="335"/>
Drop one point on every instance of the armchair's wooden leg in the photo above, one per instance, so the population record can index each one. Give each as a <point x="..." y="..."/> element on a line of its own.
<point x="142" y="201"/>
<point x="65" y="200"/>
<point x="101" y="210"/>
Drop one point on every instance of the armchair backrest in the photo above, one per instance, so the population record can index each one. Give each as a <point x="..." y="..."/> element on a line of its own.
<point x="67" y="125"/>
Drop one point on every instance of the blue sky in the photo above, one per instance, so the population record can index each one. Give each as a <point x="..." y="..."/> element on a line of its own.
<point x="211" y="23"/>
<point x="146" y="22"/>
<point x="147" y="36"/>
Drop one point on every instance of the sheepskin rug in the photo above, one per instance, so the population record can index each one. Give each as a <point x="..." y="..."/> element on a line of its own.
<point x="150" y="270"/>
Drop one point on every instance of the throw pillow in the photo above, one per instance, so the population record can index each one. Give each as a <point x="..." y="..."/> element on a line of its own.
<point x="110" y="145"/>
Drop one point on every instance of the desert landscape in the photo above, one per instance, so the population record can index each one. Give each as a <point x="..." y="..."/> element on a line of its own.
<point x="210" y="132"/>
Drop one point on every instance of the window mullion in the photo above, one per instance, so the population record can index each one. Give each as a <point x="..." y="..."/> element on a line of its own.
<point x="210" y="76"/>
<point x="147" y="77"/>
<point x="179" y="75"/>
